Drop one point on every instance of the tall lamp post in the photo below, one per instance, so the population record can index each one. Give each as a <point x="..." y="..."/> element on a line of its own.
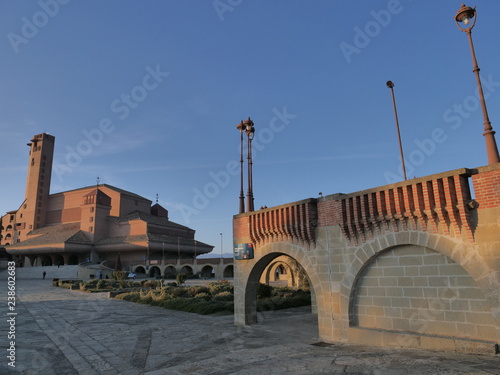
<point x="241" y="128"/>
<point x="221" y="247"/>
<point x="390" y="84"/>
<point x="465" y="16"/>
<point x="250" y="130"/>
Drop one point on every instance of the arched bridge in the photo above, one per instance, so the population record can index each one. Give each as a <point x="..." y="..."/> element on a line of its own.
<point x="414" y="264"/>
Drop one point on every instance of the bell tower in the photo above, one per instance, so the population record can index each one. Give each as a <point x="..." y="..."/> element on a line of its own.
<point x="41" y="154"/>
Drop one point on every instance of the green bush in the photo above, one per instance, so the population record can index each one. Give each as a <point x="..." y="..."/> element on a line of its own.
<point x="224" y="296"/>
<point x="180" y="278"/>
<point x="264" y="291"/>
<point x="194" y="290"/>
<point x="179" y="292"/>
<point x="119" y="275"/>
<point x="152" y="284"/>
<point x="217" y="287"/>
<point x="91" y="284"/>
<point x="279" y="303"/>
<point x="205" y="296"/>
<point x="101" y="285"/>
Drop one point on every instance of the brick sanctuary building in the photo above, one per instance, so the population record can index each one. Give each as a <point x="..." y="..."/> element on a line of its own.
<point x="93" y="223"/>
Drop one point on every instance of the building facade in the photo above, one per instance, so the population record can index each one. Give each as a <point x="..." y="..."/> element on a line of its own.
<point x="90" y="224"/>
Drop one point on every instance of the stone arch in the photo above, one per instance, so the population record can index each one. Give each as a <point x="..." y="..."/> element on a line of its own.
<point x="45" y="260"/>
<point x="139" y="269"/>
<point x="464" y="255"/>
<point x="285" y="268"/>
<point x="73" y="259"/>
<point x="169" y="271"/>
<point x="248" y="273"/>
<point x="207" y="272"/>
<point x="57" y="260"/>
<point x="228" y="271"/>
<point x="187" y="270"/>
<point x="280" y="270"/>
<point x="154" y="271"/>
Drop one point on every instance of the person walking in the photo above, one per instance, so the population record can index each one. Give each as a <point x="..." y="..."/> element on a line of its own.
<point x="44" y="273"/>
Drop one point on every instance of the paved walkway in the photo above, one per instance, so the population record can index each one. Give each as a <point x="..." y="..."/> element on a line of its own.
<point x="65" y="332"/>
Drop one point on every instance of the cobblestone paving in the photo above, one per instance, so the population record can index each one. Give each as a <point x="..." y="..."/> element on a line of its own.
<point x="65" y="332"/>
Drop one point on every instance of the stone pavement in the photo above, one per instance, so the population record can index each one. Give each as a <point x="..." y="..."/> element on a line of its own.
<point x="65" y="332"/>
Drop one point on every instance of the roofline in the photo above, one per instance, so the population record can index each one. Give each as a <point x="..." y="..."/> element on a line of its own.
<point x="114" y="188"/>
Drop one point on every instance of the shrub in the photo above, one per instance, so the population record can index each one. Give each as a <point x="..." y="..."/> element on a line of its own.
<point x="264" y="290"/>
<point x="217" y="287"/>
<point x="91" y="284"/>
<point x="224" y="296"/>
<point x="194" y="290"/>
<point x="204" y="296"/>
<point x="151" y="284"/>
<point x="181" y="278"/>
<point x="101" y="284"/>
<point x="119" y="275"/>
<point x="179" y="292"/>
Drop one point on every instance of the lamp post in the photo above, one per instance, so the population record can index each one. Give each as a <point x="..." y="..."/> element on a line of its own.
<point x="390" y="84"/>
<point x="162" y="253"/>
<point x="250" y="130"/>
<point x="221" y="247"/>
<point x="241" y="128"/>
<point x="465" y="16"/>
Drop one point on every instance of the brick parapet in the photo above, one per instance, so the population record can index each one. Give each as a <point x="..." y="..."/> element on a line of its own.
<point x="436" y="203"/>
<point x="293" y="222"/>
<point x="486" y="182"/>
<point x="439" y="203"/>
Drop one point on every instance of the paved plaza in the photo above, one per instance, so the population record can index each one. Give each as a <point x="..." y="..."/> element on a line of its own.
<point x="64" y="332"/>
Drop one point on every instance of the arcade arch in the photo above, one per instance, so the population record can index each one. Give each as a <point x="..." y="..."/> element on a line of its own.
<point x="250" y="272"/>
<point x="208" y="272"/>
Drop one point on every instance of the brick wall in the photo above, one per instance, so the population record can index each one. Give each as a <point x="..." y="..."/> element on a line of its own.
<point x="487" y="187"/>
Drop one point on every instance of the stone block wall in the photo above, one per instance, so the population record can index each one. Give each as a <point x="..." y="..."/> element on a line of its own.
<point x="418" y="290"/>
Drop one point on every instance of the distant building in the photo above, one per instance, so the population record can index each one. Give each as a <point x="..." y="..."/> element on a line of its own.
<point x="95" y="223"/>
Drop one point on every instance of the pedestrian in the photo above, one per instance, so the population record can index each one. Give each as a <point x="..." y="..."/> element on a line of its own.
<point x="44" y="273"/>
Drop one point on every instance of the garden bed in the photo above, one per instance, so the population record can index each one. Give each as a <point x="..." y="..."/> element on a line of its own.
<point x="217" y="297"/>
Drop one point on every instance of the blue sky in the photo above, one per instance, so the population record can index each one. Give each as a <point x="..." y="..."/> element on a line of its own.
<point x="147" y="95"/>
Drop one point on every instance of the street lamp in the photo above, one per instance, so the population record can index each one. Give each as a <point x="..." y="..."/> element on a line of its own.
<point x="466" y="16"/>
<point x="221" y="247"/>
<point x="241" y="128"/>
<point x="250" y="130"/>
<point x="390" y="84"/>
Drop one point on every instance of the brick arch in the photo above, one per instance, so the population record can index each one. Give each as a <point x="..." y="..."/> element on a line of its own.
<point x="463" y="254"/>
<point x="248" y="273"/>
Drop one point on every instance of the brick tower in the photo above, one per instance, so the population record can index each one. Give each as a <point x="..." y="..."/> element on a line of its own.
<point x="34" y="207"/>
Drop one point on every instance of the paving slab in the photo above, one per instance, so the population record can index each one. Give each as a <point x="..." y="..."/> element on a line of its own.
<point x="65" y="332"/>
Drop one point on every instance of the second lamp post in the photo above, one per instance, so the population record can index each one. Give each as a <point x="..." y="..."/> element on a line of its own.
<point x="247" y="127"/>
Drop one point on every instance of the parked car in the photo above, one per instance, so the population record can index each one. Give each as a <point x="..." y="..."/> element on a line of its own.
<point x="132" y="275"/>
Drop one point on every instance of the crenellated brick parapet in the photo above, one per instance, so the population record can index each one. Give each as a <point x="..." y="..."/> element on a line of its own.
<point x="440" y="202"/>
<point x="292" y="222"/>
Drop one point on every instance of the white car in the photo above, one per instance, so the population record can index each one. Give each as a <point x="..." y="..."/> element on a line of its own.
<point x="132" y="275"/>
